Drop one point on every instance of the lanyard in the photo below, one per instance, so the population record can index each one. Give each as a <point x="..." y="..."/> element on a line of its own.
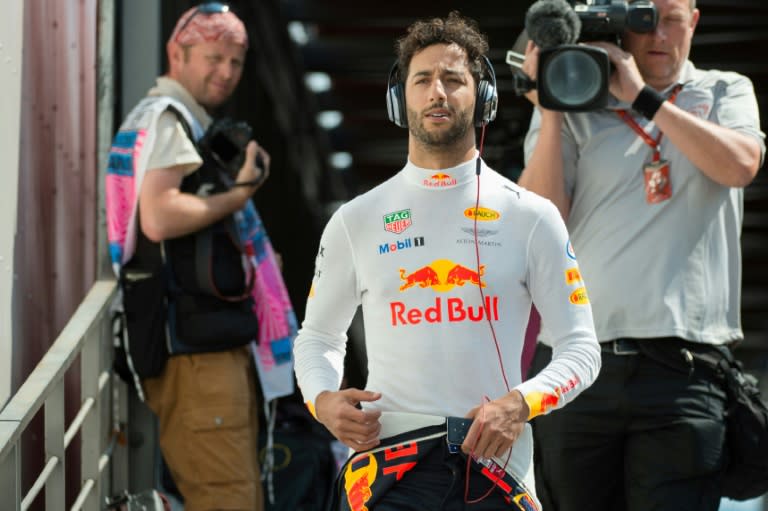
<point x="654" y="144"/>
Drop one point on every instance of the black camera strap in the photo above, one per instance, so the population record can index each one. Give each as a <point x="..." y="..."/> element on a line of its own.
<point x="204" y="238"/>
<point x="204" y="262"/>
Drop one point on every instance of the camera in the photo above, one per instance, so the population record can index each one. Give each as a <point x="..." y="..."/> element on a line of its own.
<point x="570" y="76"/>
<point x="605" y="20"/>
<point x="225" y="143"/>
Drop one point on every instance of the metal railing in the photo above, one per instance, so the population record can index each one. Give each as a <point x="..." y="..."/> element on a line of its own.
<point x="88" y="334"/>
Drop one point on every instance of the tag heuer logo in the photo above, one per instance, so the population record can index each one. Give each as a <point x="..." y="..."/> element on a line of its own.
<point x="398" y="221"/>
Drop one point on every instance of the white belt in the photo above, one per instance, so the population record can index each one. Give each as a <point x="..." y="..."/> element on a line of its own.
<point x="395" y="423"/>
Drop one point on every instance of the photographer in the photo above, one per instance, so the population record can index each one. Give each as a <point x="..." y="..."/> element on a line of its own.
<point x="651" y="188"/>
<point x="192" y="259"/>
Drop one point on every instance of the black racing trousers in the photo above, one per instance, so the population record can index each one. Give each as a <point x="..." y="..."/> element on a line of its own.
<point x="648" y="435"/>
<point x="437" y="483"/>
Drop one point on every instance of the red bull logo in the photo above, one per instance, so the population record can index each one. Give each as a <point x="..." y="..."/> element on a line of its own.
<point x="442" y="275"/>
<point x="358" y="478"/>
<point x="439" y="180"/>
<point x="423" y="277"/>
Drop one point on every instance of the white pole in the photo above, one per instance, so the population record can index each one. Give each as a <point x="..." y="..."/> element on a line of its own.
<point x="11" y="37"/>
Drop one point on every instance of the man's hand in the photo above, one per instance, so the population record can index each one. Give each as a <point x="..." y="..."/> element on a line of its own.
<point x="250" y="172"/>
<point x="626" y="81"/>
<point x="355" y="428"/>
<point x="496" y="425"/>
<point x="530" y="67"/>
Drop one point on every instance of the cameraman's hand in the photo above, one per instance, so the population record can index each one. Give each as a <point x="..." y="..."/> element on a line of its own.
<point x="626" y="82"/>
<point x="250" y="171"/>
<point x="530" y="67"/>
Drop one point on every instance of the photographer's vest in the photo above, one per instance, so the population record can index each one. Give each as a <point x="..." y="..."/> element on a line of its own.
<point x="209" y="277"/>
<point x="198" y="292"/>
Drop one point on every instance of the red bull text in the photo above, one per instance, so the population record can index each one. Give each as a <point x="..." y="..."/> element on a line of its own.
<point x="439" y="180"/>
<point x="452" y="310"/>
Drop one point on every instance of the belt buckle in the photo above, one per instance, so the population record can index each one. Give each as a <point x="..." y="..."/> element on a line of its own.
<point x="621" y="348"/>
<point x="456" y="429"/>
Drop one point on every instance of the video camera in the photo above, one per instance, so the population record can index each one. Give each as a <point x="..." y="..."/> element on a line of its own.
<point x="570" y="76"/>
<point x="606" y="20"/>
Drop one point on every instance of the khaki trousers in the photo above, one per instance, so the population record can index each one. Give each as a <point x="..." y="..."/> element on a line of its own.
<point x="206" y="406"/>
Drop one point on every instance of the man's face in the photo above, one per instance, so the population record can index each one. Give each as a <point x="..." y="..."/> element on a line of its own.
<point x="660" y="54"/>
<point x="440" y="95"/>
<point x="209" y="71"/>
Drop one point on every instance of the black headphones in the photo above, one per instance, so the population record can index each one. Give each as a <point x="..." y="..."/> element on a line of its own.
<point x="486" y="97"/>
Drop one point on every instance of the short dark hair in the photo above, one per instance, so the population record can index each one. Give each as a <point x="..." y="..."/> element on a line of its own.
<point x="455" y="29"/>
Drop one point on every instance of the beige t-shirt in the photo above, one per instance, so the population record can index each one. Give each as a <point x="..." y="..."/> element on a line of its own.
<point x="173" y="147"/>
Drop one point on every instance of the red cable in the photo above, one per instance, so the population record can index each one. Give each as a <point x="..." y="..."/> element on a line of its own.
<point x="477" y="261"/>
<point x="493" y="334"/>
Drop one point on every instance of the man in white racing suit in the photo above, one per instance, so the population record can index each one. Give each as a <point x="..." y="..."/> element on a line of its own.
<point x="446" y="259"/>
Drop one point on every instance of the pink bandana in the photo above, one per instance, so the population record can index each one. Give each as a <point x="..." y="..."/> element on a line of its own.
<point x="196" y="27"/>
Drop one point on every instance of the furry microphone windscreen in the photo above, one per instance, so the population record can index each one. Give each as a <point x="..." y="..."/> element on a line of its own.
<point x="550" y="23"/>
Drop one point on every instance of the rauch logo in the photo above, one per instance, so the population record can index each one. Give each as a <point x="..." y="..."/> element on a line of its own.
<point x="482" y="214"/>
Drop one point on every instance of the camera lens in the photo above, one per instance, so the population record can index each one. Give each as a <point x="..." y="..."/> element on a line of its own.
<point x="573" y="77"/>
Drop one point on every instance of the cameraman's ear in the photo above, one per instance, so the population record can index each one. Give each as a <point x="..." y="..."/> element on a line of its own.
<point x="695" y="14"/>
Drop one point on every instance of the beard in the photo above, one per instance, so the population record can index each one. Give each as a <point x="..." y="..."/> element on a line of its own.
<point x="442" y="138"/>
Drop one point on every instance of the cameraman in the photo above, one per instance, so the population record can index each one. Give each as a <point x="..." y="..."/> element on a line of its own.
<point x="204" y="395"/>
<point x="653" y="199"/>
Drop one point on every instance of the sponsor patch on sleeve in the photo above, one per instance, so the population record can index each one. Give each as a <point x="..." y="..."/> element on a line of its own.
<point x="569" y="250"/>
<point x="579" y="296"/>
<point x="572" y="276"/>
<point x="311" y="408"/>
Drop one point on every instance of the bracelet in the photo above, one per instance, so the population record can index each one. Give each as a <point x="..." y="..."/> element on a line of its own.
<point x="648" y="102"/>
<point x="252" y="182"/>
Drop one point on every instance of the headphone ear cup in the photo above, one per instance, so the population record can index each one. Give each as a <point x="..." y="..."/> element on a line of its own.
<point x="486" y="103"/>
<point x="396" y="105"/>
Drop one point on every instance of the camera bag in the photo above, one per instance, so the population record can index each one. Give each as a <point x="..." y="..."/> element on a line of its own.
<point x="142" y="346"/>
<point x="746" y="471"/>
